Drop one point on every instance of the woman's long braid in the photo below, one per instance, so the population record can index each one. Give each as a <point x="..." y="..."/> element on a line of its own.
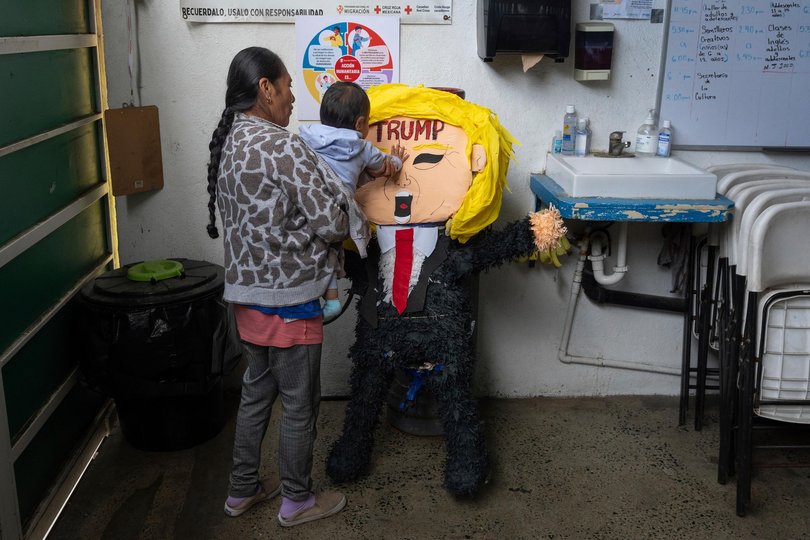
<point x="215" y="147"/>
<point x="247" y="68"/>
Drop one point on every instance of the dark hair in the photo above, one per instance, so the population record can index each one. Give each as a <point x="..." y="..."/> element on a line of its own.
<point x="342" y="104"/>
<point x="247" y="68"/>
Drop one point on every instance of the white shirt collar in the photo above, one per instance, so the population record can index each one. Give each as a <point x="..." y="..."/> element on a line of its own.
<point x="424" y="238"/>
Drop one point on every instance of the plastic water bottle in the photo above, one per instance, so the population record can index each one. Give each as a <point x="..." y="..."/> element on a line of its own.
<point x="582" y="141"/>
<point x="569" y="127"/>
<point x="664" y="140"/>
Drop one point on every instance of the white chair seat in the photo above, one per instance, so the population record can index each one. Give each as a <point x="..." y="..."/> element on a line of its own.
<point x="785" y="356"/>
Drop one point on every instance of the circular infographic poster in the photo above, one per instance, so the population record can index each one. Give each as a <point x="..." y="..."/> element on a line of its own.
<point x="346" y="51"/>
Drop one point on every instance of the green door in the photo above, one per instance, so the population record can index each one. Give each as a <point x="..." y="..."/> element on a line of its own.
<point x="56" y="233"/>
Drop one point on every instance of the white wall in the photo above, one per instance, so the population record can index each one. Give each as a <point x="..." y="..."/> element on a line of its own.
<point x="182" y="69"/>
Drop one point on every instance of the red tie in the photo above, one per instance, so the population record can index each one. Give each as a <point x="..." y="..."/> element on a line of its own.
<point x="403" y="260"/>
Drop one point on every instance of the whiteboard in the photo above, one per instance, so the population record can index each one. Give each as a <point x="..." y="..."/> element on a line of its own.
<point x="736" y="73"/>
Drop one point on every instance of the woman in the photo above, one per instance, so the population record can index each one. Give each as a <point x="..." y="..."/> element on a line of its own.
<point x="283" y="217"/>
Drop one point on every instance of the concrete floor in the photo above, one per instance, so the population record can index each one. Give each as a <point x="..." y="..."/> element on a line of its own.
<point x="615" y="467"/>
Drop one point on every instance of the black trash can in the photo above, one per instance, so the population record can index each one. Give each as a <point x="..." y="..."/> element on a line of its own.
<point x="155" y="335"/>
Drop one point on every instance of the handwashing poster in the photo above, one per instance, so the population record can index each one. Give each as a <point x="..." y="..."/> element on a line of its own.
<point x="363" y="50"/>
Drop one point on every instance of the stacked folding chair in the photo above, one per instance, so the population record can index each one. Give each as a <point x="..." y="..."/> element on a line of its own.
<point x="710" y="262"/>
<point x="760" y="313"/>
<point x="774" y="354"/>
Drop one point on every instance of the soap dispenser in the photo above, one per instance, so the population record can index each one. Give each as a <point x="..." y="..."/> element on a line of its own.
<point x="647" y="137"/>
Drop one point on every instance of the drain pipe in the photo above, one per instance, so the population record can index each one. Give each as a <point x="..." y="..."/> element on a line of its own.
<point x="601" y="295"/>
<point x="567" y="358"/>
<point x="597" y="258"/>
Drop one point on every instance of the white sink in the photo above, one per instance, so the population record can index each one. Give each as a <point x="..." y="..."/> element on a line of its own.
<point x="647" y="177"/>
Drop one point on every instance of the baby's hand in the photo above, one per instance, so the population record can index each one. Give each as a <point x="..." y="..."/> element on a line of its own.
<point x="387" y="169"/>
<point x="399" y="151"/>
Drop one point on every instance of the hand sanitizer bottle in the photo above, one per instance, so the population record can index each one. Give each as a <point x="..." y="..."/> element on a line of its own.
<point x="556" y="142"/>
<point x="569" y="127"/>
<point x="647" y="137"/>
<point x="664" y="140"/>
<point x="582" y="143"/>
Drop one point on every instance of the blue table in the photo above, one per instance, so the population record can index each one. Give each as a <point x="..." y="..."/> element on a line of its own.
<point x="548" y="192"/>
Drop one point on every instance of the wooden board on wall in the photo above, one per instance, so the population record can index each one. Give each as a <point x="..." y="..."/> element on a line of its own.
<point x="133" y="139"/>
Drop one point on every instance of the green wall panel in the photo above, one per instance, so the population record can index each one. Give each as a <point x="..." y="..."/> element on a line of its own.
<point x="40" y="91"/>
<point x="36" y="279"/>
<point x="43" y="17"/>
<point x="43" y="90"/>
<point x="39" y="465"/>
<point x="37" y="370"/>
<point x="43" y="178"/>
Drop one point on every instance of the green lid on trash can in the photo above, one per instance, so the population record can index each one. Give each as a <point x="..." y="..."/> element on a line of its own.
<point x="131" y="285"/>
<point x="155" y="270"/>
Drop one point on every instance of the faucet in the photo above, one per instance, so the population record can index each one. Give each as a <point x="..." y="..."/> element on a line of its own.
<point x="616" y="144"/>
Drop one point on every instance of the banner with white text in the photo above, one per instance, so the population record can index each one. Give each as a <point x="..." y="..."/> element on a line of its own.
<point x="285" y="11"/>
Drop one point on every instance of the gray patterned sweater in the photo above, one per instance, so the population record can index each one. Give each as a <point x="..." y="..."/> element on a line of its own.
<point x="284" y="214"/>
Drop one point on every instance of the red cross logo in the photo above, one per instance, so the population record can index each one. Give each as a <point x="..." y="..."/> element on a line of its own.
<point x="377" y="10"/>
<point x="408" y="9"/>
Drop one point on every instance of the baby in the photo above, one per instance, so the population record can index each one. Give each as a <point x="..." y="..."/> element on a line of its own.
<point x="340" y="141"/>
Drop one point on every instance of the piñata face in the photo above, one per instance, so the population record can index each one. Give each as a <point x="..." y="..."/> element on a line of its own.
<point x="434" y="179"/>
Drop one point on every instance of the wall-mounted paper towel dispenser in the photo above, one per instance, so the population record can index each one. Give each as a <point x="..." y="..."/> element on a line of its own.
<point x="524" y="26"/>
